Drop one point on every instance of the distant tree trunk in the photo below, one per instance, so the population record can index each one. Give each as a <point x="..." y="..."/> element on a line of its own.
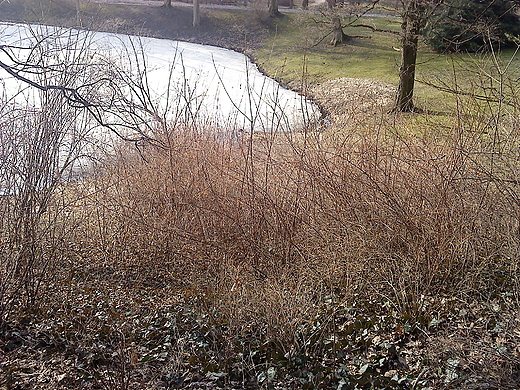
<point x="305" y="4"/>
<point x="338" y="36"/>
<point x="167" y="3"/>
<point x="273" y="9"/>
<point x="405" y="90"/>
<point x="78" y="12"/>
<point x="196" y="13"/>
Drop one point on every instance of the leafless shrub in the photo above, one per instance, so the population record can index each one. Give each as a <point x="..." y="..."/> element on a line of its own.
<point x="258" y="223"/>
<point x="256" y="230"/>
<point x="49" y="132"/>
<point x="39" y="150"/>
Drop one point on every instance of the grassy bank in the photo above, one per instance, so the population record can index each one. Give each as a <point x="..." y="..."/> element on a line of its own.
<point x="298" y="51"/>
<point x="301" y="44"/>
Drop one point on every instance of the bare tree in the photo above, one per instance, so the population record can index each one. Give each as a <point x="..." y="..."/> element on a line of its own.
<point x="41" y="141"/>
<point x="114" y="97"/>
<point x="78" y="12"/>
<point x="196" y="11"/>
<point x="49" y="128"/>
<point x="338" y="36"/>
<point x="354" y="12"/>
<point x="415" y="14"/>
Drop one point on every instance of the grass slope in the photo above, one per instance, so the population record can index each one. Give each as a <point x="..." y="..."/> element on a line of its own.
<point x="298" y="50"/>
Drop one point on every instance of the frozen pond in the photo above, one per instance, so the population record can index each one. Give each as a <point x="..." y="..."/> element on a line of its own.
<point x="215" y="87"/>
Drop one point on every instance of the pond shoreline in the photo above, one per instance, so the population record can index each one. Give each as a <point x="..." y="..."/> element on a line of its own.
<point x="167" y="23"/>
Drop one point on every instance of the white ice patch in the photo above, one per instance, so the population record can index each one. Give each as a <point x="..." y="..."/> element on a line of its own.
<point x="219" y="87"/>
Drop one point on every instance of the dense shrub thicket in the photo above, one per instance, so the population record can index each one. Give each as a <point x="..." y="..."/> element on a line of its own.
<point x="380" y="252"/>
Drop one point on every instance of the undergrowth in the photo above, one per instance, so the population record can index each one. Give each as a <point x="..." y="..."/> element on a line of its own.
<point x="289" y="262"/>
<point x="370" y="255"/>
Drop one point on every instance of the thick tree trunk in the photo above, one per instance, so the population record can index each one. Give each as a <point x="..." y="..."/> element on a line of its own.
<point x="78" y="13"/>
<point x="305" y="4"/>
<point x="196" y="13"/>
<point x="338" y="36"/>
<point x="412" y="22"/>
<point x="273" y="8"/>
<point x="405" y="91"/>
<point x="167" y="3"/>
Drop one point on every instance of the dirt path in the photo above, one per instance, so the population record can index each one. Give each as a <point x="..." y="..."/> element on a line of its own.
<point x="158" y="3"/>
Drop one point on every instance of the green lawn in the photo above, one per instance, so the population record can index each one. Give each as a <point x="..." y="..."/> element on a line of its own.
<point x="296" y="44"/>
<point x="299" y="50"/>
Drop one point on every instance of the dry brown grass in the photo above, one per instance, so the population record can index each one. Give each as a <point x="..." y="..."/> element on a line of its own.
<point x="355" y="243"/>
<point x="268" y="226"/>
<point x="274" y="241"/>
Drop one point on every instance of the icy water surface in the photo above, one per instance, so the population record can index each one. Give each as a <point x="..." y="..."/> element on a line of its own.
<point x="217" y="87"/>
